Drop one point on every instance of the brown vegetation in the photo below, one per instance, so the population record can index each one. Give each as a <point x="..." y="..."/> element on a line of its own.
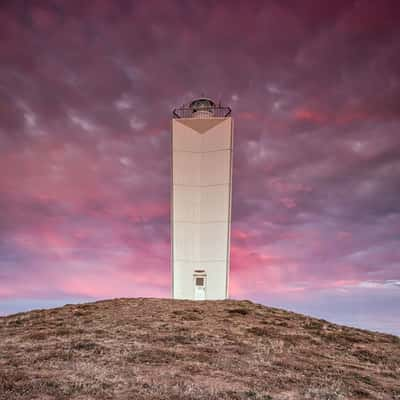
<point x="169" y="349"/>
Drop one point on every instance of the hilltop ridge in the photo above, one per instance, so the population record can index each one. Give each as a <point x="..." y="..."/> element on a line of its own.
<point x="177" y="349"/>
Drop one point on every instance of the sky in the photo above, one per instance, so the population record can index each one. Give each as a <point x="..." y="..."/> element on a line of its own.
<point x="87" y="90"/>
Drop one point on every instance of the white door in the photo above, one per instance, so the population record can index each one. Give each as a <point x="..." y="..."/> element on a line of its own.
<point x="199" y="288"/>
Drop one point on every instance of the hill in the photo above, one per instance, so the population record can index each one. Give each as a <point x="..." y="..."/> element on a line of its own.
<point x="170" y="349"/>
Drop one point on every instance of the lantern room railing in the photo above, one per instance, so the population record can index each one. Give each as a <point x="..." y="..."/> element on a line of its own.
<point x="205" y="112"/>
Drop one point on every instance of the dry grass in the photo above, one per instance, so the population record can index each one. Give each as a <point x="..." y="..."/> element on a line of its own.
<point x="167" y="349"/>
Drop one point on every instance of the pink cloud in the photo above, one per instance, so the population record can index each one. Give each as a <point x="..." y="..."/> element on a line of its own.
<point x="84" y="191"/>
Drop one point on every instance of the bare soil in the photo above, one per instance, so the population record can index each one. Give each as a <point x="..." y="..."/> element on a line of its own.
<point x="171" y="349"/>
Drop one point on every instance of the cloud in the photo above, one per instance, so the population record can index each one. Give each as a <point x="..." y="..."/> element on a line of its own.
<point x="377" y="284"/>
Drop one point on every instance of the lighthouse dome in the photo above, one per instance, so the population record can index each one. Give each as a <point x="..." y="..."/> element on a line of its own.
<point x="202" y="107"/>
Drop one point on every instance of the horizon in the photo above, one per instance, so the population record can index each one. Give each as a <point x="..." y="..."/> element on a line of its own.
<point x="86" y="99"/>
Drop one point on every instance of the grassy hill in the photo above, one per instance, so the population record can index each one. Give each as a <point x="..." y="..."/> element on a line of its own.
<point x="170" y="349"/>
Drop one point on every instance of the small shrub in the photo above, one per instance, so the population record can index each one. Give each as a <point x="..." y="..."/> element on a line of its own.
<point x="344" y="338"/>
<point x="360" y="392"/>
<point x="238" y="311"/>
<point x="365" y="379"/>
<point x="314" y="325"/>
<point x="258" y="331"/>
<point x="15" y="322"/>
<point x="365" y="355"/>
<point x="191" y="317"/>
<point x="251" y="394"/>
<point x="176" y="339"/>
<point x="84" y="345"/>
<point x="37" y="336"/>
<point x="79" y="314"/>
<point x="188" y="315"/>
<point x="193" y="369"/>
<point x="278" y="323"/>
<point x="196" y="310"/>
<point x="63" y="332"/>
<point x="86" y="306"/>
<point x="395" y="339"/>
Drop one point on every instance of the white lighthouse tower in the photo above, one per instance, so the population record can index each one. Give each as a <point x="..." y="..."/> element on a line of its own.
<point x="202" y="143"/>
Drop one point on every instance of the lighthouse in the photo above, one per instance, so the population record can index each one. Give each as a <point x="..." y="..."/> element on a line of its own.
<point x="201" y="197"/>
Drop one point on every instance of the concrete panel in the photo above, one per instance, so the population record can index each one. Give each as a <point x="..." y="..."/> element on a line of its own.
<point x="216" y="273"/>
<point x="186" y="201"/>
<point x="186" y="168"/>
<point x="214" y="203"/>
<point x="186" y="241"/>
<point x="213" y="241"/>
<point x="215" y="167"/>
<point x="185" y="138"/>
<point x="218" y="137"/>
<point x="183" y="276"/>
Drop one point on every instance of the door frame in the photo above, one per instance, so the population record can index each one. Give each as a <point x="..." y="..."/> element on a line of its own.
<point x="200" y="274"/>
